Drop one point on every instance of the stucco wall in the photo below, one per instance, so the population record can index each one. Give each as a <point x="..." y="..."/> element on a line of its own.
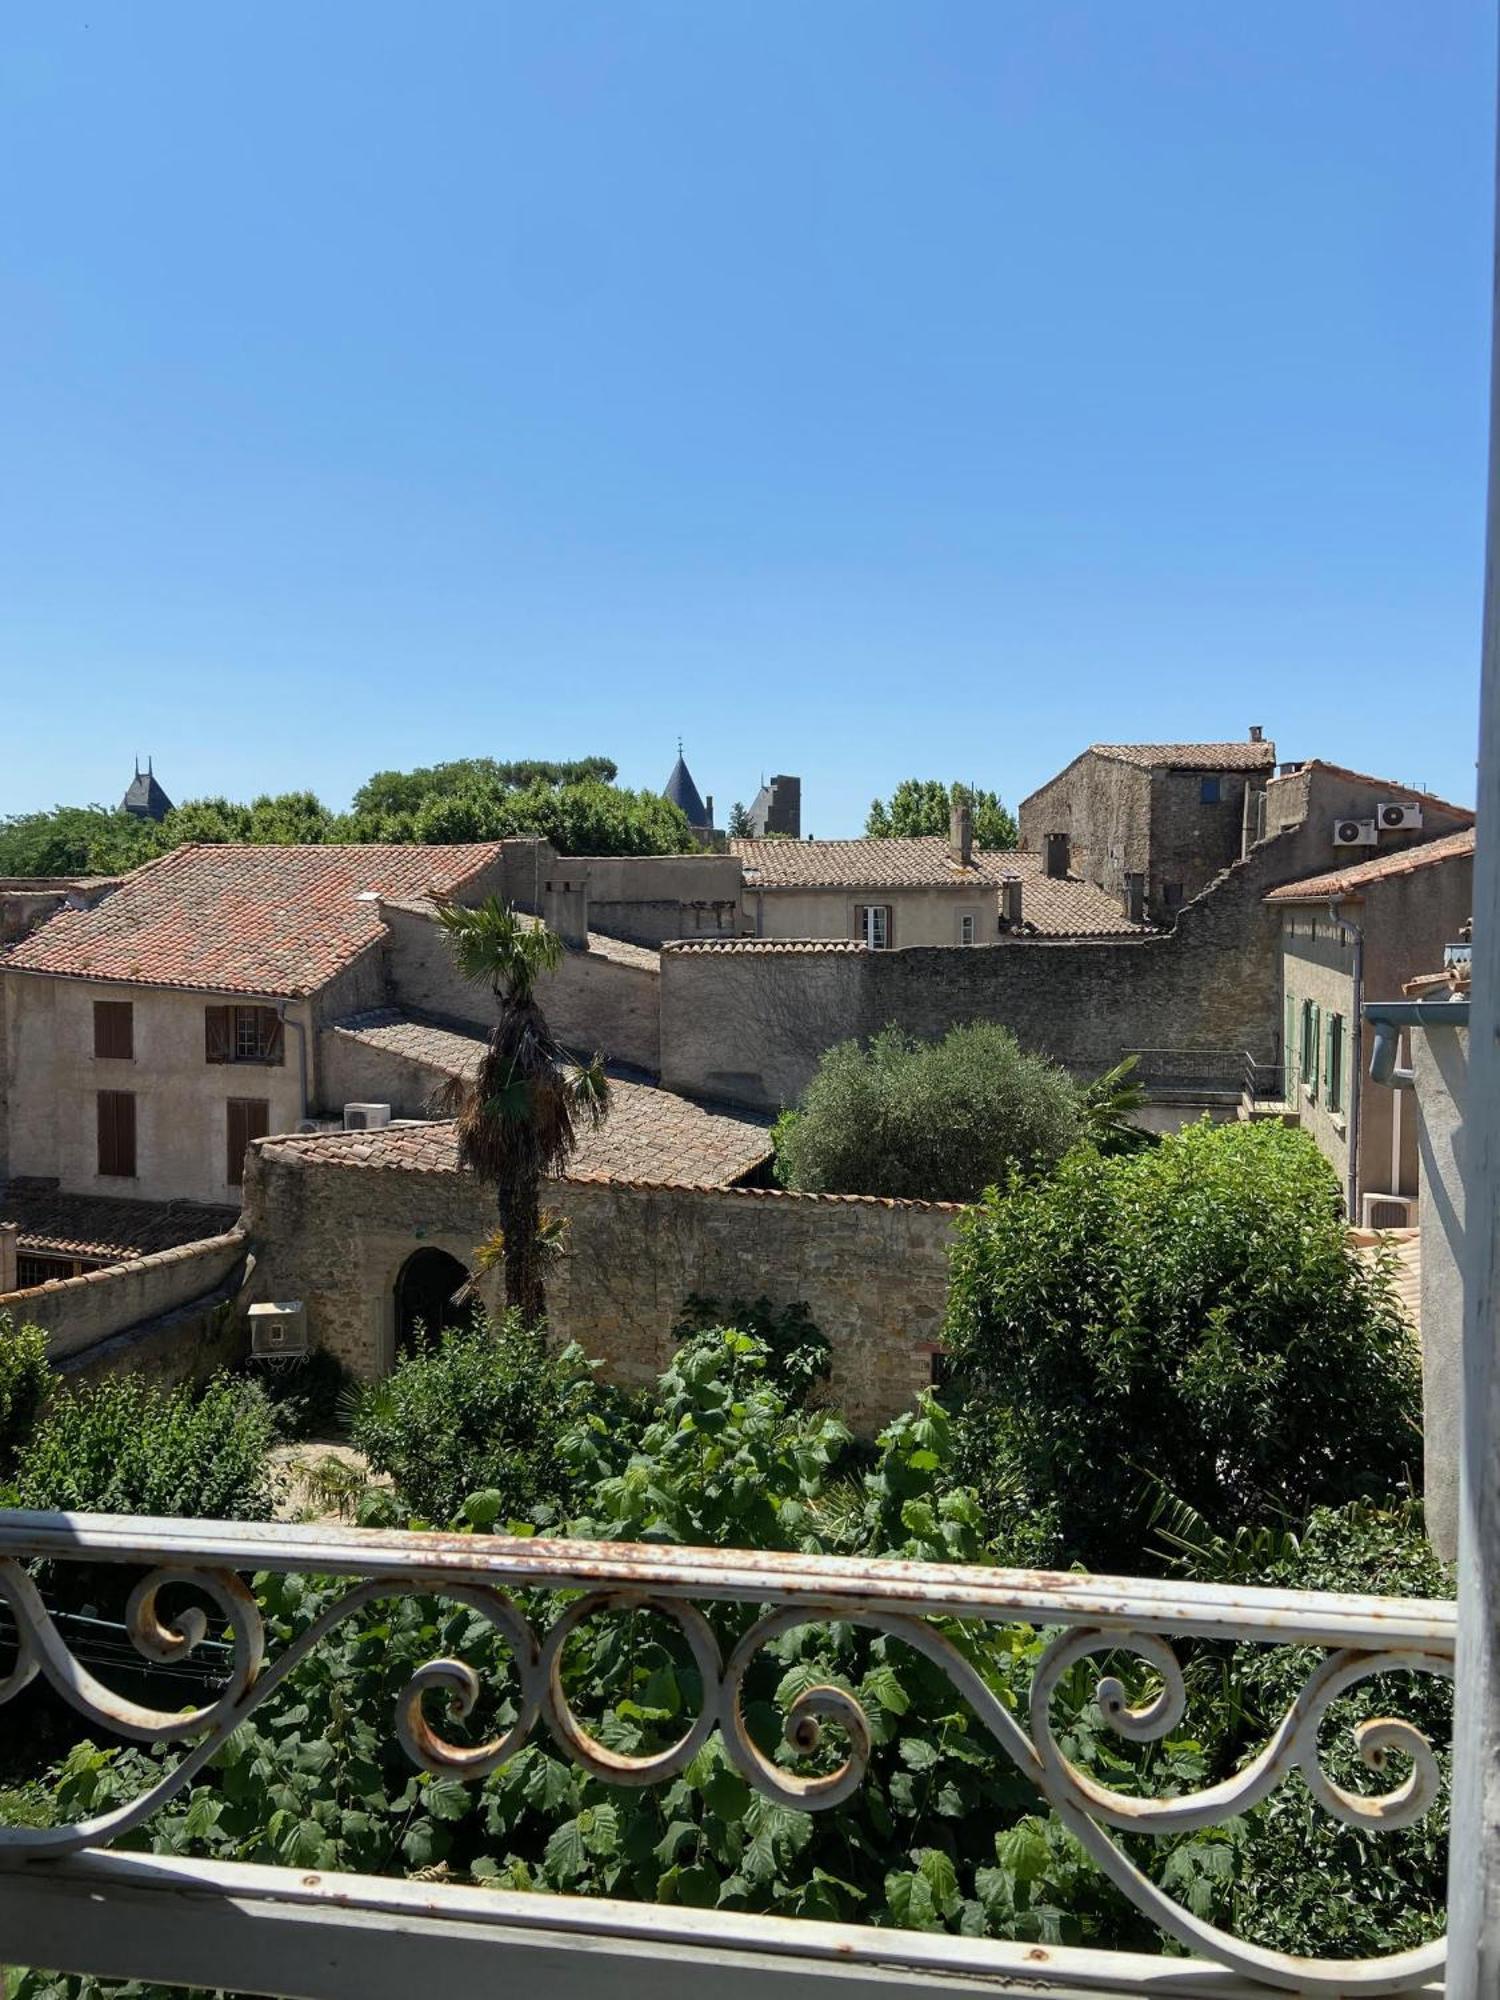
<point x="918" y="916"/>
<point x="873" y="1273"/>
<point x="1318" y="966"/>
<point x="605" y="1000"/>
<point x="80" y="1313"/>
<point x="1441" y="1061"/>
<point x="52" y="1077"/>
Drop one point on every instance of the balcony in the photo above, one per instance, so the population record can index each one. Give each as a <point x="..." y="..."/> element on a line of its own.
<point x="70" y="1900"/>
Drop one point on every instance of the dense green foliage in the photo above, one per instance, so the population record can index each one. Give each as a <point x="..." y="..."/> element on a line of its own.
<point x="1187" y="1319"/>
<point x="483" y="1409"/>
<point x="124" y="1446"/>
<point x="944" y="1833"/>
<point x="932" y="1121"/>
<point x="577" y="806"/>
<point x="924" y="805"/>
<point x="25" y="1379"/>
<point x="798" y="1357"/>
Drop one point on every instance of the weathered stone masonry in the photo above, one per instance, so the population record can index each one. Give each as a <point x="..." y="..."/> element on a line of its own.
<point x="872" y="1273"/>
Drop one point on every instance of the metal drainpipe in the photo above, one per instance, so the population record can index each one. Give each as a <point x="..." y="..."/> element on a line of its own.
<point x="1356" y="1079"/>
<point x="300" y="1032"/>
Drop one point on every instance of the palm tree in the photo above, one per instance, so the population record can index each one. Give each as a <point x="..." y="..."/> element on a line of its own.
<point x="518" y="1118"/>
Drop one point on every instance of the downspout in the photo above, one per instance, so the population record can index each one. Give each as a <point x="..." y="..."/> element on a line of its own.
<point x="1356" y="1078"/>
<point x="300" y="1031"/>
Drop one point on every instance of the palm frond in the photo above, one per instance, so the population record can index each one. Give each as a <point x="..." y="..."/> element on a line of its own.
<point x="494" y="945"/>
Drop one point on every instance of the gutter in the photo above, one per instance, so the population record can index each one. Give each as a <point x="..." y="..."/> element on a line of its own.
<point x="299" y="1029"/>
<point x="1389" y="1017"/>
<point x="1356" y="1057"/>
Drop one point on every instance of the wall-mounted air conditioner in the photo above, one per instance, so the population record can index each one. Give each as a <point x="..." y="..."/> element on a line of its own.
<point x="1388" y="1211"/>
<point x="1395" y="814"/>
<point x="365" y="1117"/>
<point x="278" y="1332"/>
<point x="1354" y="833"/>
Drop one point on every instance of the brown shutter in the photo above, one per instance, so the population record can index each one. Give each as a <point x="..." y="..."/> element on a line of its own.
<point x="218" y="1029"/>
<point x="116" y="1111"/>
<point x="272" y="1038"/>
<point x="248" y="1118"/>
<point x="114" y="1029"/>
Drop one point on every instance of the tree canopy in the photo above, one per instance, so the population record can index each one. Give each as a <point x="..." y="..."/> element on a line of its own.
<point x="923" y="805"/>
<point x="576" y="805"/>
<point x="931" y="1121"/>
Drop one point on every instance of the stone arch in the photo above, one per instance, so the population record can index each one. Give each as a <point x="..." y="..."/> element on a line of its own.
<point x="424" y="1296"/>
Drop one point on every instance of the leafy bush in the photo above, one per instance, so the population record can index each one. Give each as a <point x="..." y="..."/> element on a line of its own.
<point x="124" y="1446"/>
<point x="24" y="1381"/>
<point x="798" y="1356"/>
<point x="1189" y="1318"/>
<point x="308" y="1394"/>
<point x="933" y="1121"/>
<point x="482" y="1410"/>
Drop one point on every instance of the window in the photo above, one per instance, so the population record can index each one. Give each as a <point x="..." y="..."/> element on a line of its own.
<point x="114" y="1030"/>
<point x="248" y="1118"/>
<point x="872" y="924"/>
<point x="35" y="1269"/>
<point x="1211" y="791"/>
<point x="243" y="1035"/>
<point x="966" y="927"/>
<point x="1171" y="895"/>
<point x="1333" y="1075"/>
<point x="117" y="1133"/>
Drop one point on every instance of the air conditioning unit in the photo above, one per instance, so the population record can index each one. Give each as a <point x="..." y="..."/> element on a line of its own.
<point x="1395" y="814"/>
<point x="1354" y="833"/>
<point x="1388" y="1211"/>
<point x="365" y="1117"/>
<point x="278" y="1332"/>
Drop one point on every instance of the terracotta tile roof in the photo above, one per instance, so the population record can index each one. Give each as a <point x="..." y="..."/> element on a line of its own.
<point x="1190" y="756"/>
<point x="650" y="1134"/>
<point x="1052" y="906"/>
<point x="279" y="921"/>
<point x="764" y="944"/>
<point x="448" y="1051"/>
<point x="1351" y="880"/>
<point x="106" y="1226"/>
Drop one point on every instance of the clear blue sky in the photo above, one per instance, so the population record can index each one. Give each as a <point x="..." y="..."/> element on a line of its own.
<point x="857" y="388"/>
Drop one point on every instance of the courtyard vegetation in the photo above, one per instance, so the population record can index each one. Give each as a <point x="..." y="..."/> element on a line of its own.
<point x="1164" y="1363"/>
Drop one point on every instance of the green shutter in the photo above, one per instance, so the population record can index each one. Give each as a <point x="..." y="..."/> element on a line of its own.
<point x="1289" y="1047"/>
<point x="1317" y="1047"/>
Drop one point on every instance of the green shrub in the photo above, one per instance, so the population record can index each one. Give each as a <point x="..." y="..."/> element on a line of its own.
<point x="931" y="1121"/>
<point x="1187" y="1319"/>
<point x="25" y="1379"/>
<point x="484" y="1409"/>
<point x="798" y="1356"/>
<point x="124" y="1446"/>
<point x="308" y="1394"/>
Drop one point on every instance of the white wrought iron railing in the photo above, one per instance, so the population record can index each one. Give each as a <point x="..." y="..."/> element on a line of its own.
<point x="67" y="1902"/>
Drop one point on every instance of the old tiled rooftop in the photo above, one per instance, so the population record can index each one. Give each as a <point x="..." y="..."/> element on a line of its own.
<point x="1190" y="756"/>
<point x="105" y="1226"/>
<point x="277" y="921"/>
<point x="1393" y="787"/>
<point x="650" y="1134"/>
<point x="1054" y="906"/>
<point x="1359" y="875"/>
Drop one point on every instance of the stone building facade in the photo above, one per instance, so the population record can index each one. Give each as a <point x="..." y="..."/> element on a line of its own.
<point x="335" y="1225"/>
<point x="1402" y="909"/>
<point x="1151" y="824"/>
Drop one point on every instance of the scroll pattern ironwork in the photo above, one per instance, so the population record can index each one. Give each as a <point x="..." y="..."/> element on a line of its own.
<point x="674" y="1579"/>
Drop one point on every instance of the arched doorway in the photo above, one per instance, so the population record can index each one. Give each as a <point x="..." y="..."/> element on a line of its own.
<point x="425" y="1288"/>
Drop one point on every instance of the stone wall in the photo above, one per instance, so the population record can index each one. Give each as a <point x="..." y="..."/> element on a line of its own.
<point x="79" y="1314"/>
<point x="873" y="1273"/>
<point x="644" y="898"/>
<point x="1104" y="808"/>
<point x="747" y="1022"/>
<point x="605" y="999"/>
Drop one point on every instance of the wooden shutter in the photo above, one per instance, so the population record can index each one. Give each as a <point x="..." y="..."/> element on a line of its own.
<point x="114" y="1029"/>
<point x="272" y="1036"/>
<point x="218" y="1034"/>
<point x="116" y="1111"/>
<point x="248" y="1118"/>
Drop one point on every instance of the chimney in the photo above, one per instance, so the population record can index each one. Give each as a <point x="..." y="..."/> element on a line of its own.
<point x="1057" y="855"/>
<point x="1010" y="902"/>
<point x="1135" y="898"/>
<point x="961" y="836"/>
<point x="708" y="807"/>
<point x="565" y="908"/>
<point x="1257" y="733"/>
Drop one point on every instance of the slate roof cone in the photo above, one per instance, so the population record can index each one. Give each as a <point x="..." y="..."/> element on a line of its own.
<point x="683" y="793"/>
<point x="144" y="797"/>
